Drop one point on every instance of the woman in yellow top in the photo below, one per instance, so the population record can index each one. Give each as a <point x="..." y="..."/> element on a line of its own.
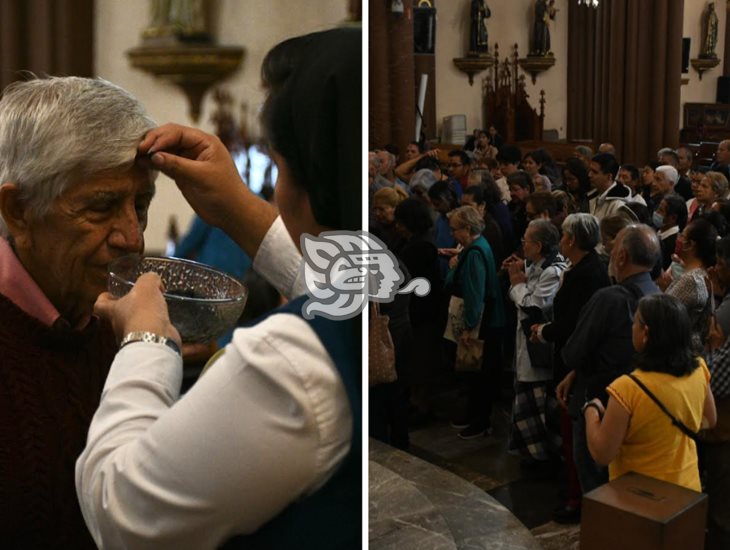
<point x="634" y="434"/>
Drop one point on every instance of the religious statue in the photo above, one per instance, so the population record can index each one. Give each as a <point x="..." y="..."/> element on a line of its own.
<point x="710" y="28"/>
<point x="178" y="19"/>
<point x="478" y="34"/>
<point x="544" y="11"/>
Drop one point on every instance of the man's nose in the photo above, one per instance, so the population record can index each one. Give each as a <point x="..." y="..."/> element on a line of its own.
<point x="127" y="232"/>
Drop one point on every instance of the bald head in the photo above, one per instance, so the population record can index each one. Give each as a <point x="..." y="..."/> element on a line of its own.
<point x="607" y="148"/>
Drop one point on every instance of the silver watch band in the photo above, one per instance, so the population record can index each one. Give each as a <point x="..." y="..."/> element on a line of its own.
<point x="151" y="337"/>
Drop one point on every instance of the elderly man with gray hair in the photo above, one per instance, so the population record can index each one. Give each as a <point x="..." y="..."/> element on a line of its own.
<point x="600" y="348"/>
<point x="72" y="199"/>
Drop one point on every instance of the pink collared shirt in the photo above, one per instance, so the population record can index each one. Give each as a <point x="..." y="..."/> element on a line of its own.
<point x="18" y="286"/>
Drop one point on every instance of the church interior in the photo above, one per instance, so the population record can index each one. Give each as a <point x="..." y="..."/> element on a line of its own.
<point x="468" y="100"/>
<point x="554" y="171"/>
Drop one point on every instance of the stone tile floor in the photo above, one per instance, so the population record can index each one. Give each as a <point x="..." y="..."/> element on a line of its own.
<point x="486" y="463"/>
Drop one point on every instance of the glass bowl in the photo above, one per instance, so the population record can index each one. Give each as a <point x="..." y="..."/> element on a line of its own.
<point x="203" y="303"/>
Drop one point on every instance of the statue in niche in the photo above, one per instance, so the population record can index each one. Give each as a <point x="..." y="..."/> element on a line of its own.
<point x="478" y="34"/>
<point x="710" y="28"/>
<point x="544" y="12"/>
<point x="182" y="20"/>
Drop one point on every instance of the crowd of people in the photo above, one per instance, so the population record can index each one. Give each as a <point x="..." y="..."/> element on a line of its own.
<point x="591" y="283"/>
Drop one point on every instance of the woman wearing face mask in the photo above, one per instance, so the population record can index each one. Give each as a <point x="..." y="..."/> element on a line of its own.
<point x="696" y="250"/>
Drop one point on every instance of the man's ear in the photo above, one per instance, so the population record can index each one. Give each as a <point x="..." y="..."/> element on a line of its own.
<point x="15" y="213"/>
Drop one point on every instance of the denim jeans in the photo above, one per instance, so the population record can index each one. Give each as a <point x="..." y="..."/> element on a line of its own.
<point x="590" y="474"/>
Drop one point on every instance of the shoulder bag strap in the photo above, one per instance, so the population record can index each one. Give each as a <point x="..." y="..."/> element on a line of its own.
<point x="685" y="430"/>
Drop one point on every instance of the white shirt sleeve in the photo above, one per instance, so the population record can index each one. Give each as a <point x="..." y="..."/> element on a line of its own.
<point x="538" y="291"/>
<point x="280" y="262"/>
<point x="268" y="423"/>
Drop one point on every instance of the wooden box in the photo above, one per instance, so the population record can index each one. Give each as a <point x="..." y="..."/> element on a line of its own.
<point x="643" y="513"/>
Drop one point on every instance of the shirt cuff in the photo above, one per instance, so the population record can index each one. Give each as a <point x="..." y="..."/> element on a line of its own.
<point x="280" y="262"/>
<point x="155" y="363"/>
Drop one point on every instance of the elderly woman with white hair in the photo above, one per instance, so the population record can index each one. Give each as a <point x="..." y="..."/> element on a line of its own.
<point x="72" y="199"/>
<point x="533" y="284"/>
<point x="473" y="277"/>
<point x="665" y="178"/>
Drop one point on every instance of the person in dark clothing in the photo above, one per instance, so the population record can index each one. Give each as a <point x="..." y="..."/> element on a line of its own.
<point x="683" y="186"/>
<point x="587" y="274"/>
<point x="669" y="219"/>
<point x="475" y="195"/>
<point x="520" y="187"/>
<point x="495" y="206"/>
<point x="388" y="410"/>
<point x="419" y="254"/>
<point x="444" y="200"/>
<point x="577" y="183"/>
<point x="600" y="348"/>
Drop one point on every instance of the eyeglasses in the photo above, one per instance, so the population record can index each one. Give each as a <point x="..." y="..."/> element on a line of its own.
<point x="454" y="165"/>
<point x="455" y="229"/>
<point x="527" y="241"/>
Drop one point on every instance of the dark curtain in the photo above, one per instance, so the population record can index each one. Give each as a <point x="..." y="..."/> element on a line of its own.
<point x="624" y="75"/>
<point x="46" y="37"/>
<point x="392" y="101"/>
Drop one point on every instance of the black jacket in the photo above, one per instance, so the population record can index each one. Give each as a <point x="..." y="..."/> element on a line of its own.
<point x="579" y="284"/>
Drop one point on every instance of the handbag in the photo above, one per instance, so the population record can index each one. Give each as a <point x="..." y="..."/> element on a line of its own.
<point x="454" y="319"/>
<point x="469" y="355"/>
<point x="681" y="425"/>
<point x="381" y="351"/>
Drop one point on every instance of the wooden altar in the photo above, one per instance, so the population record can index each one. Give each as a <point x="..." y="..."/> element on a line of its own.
<point x="505" y="102"/>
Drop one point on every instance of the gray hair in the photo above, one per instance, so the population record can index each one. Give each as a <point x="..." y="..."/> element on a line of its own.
<point x="547" y="235"/>
<point x="690" y="154"/>
<point x="469" y="217"/>
<point x="718" y="182"/>
<point x="424" y="177"/>
<point x="664" y="151"/>
<point x="670" y="172"/>
<point x="57" y="130"/>
<point x="641" y="245"/>
<point x="584" y="228"/>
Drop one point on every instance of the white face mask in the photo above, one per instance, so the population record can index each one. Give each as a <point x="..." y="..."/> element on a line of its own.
<point x="677" y="270"/>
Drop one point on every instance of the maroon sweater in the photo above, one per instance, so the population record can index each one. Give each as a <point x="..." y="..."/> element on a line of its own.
<point x="50" y="384"/>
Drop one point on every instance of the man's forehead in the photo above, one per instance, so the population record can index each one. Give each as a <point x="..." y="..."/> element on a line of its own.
<point x="130" y="181"/>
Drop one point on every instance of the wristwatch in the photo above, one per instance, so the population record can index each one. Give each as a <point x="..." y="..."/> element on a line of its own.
<point x="151" y="337"/>
<point x="590" y="404"/>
